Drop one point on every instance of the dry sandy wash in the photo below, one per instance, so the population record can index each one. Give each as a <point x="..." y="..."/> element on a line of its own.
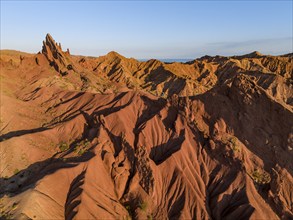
<point x="116" y="138"/>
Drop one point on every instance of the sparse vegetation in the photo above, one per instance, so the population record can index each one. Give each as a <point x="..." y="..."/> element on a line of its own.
<point x="150" y="217"/>
<point x="52" y="69"/>
<point x="14" y="206"/>
<point x="16" y="171"/>
<point x="195" y="123"/>
<point x="179" y="146"/>
<point x="143" y="206"/>
<point x="234" y="145"/>
<point x="260" y="177"/>
<point x="233" y="140"/>
<point x="81" y="151"/>
<point x="63" y="146"/>
<point x="23" y="156"/>
<point x="6" y="213"/>
<point x="64" y="86"/>
<point x="123" y="135"/>
<point x="127" y="207"/>
<point x="82" y="147"/>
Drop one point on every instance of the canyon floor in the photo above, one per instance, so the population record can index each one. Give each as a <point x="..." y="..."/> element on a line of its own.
<point x="112" y="137"/>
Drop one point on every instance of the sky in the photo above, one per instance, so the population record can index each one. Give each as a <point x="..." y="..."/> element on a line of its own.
<point x="150" y="29"/>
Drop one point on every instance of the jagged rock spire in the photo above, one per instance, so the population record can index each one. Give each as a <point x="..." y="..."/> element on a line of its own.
<point x="58" y="59"/>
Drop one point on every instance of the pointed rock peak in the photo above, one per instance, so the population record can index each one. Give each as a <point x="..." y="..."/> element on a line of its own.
<point x="58" y="59"/>
<point x="49" y="38"/>
<point x="49" y="45"/>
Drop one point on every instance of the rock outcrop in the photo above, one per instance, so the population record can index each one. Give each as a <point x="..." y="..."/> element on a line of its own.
<point x="121" y="139"/>
<point x="58" y="59"/>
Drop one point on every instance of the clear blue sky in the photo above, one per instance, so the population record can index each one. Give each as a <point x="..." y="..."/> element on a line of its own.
<point x="150" y="29"/>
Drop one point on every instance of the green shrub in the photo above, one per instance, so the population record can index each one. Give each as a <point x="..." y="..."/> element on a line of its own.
<point x="234" y="145"/>
<point x="150" y="217"/>
<point x="82" y="147"/>
<point x="143" y="206"/>
<point x="260" y="177"/>
<point x="233" y="140"/>
<point x="14" y="206"/>
<point x="127" y="207"/>
<point x="63" y="146"/>
<point x="81" y="151"/>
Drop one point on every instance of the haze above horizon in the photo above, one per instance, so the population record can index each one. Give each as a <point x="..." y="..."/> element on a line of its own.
<point x="150" y="29"/>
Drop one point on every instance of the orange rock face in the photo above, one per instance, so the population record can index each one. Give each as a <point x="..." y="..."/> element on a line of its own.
<point x="115" y="138"/>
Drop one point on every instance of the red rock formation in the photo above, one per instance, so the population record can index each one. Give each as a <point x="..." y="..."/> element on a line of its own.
<point x="58" y="59"/>
<point x="207" y="139"/>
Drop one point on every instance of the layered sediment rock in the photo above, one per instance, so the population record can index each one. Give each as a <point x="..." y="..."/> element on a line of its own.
<point x="58" y="59"/>
<point x="119" y="138"/>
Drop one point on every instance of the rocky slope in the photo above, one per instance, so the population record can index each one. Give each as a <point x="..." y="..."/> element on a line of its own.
<point x="112" y="137"/>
